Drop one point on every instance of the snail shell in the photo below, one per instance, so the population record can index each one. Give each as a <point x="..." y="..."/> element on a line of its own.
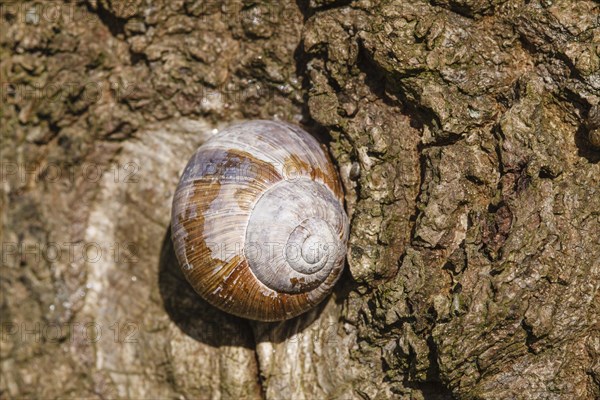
<point x="258" y="222"/>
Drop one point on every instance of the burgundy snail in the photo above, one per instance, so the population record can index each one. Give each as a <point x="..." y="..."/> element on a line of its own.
<point x="258" y="221"/>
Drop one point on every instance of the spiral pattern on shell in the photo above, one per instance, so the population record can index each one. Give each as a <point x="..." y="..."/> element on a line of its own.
<point x="258" y="223"/>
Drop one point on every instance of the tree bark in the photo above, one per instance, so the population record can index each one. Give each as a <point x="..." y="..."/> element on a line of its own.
<point x="467" y="134"/>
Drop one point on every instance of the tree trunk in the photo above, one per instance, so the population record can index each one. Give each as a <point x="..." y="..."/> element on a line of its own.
<point x="467" y="137"/>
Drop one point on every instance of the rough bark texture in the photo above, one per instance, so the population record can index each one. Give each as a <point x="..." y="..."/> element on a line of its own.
<point x="467" y="135"/>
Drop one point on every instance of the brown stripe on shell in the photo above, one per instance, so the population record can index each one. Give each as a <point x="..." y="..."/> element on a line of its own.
<point x="328" y="177"/>
<point x="195" y="251"/>
<point x="240" y="293"/>
<point x="331" y="178"/>
<point x="317" y="155"/>
<point x="261" y="176"/>
<point x="191" y="218"/>
<point x="205" y="188"/>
